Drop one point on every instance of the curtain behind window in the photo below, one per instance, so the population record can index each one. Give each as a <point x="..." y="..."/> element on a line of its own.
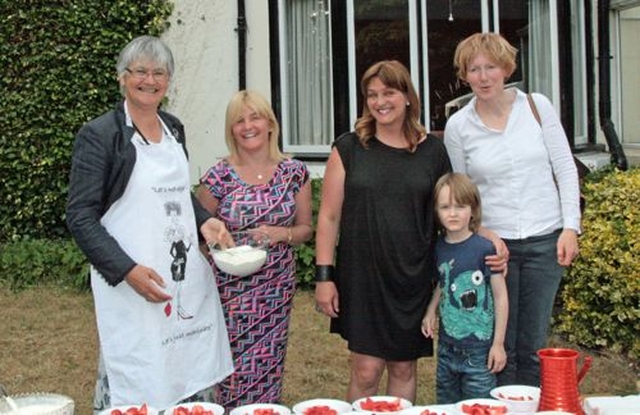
<point x="539" y="74"/>
<point x="308" y="78"/>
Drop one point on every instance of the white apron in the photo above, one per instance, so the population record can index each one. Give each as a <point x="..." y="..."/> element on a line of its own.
<point x="160" y="353"/>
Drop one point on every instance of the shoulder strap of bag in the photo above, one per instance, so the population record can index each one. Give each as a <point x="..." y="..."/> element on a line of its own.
<point x="583" y="170"/>
<point x="534" y="109"/>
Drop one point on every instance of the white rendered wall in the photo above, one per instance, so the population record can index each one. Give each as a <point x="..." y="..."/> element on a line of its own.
<point x="204" y="42"/>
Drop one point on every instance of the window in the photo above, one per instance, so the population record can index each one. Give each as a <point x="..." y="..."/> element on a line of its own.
<point x="448" y="22"/>
<point x="326" y="45"/>
<point x="629" y="57"/>
<point x="578" y="48"/>
<point x="307" y="104"/>
<point x="380" y="32"/>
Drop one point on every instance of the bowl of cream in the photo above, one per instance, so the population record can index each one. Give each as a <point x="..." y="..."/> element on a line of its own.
<point x="245" y="258"/>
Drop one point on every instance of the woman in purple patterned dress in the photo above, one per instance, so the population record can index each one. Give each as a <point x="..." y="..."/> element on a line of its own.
<point x="257" y="187"/>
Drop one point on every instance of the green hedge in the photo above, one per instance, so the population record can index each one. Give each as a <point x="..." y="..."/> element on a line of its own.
<point x="32" y="262"/>
<point x="306" y="254"/>
<point x="601" y="291"/>
<point x="57" y="71"/>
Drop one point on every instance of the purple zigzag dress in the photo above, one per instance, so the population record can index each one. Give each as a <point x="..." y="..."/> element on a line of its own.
<point x="257" y="307"/>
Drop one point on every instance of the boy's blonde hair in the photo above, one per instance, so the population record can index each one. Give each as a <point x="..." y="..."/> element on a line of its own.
<point x="463" y="191"/>
<point x="493" y="45"/>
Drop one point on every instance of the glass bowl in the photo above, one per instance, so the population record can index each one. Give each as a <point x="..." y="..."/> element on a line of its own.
<point x="245" y="258"/>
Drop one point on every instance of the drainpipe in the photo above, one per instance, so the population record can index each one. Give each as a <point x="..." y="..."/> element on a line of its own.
<point x="242" y="46"/>
<point x="617" y="153"/>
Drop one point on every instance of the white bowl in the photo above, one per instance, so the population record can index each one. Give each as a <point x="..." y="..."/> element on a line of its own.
<point x="37" y="404"/>
<point x="214" y="408"/>
<point x="340" y="407"/>
<point x="392" y="400"/>
<point x="419" y="410"/>
<point x="123" y="409"/>
<point x="494" y="403"/>
<point x="251" y="409"/>
<point x="246" y="257"/>
<point x="521" y="398"/>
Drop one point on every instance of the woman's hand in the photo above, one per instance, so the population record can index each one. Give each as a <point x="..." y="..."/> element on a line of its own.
<point x="567" y="247"/>
<point x="276" y="234"/>
<point x="327" y="298"/>
<point x="146" y="282"/>
<point x="214" y="231"/>
<point x="498" y="262"/>
<point x="429" y="322"/>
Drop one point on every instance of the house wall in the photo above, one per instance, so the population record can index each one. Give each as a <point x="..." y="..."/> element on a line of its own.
<point x="204" y="41"/>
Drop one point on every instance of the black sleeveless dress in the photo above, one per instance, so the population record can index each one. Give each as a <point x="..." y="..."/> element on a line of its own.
<point x="385" y="267"/>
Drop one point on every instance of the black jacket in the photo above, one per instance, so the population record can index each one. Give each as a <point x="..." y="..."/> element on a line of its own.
<point x="102" y="162"/>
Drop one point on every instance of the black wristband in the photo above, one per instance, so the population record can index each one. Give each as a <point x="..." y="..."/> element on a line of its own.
<point x="324" y="273"/>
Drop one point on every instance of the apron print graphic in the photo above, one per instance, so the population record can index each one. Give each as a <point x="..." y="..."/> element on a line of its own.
<point x="179" y="247"/>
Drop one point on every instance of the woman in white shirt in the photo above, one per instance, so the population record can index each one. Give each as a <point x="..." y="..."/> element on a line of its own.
<point x="528" y="182"/>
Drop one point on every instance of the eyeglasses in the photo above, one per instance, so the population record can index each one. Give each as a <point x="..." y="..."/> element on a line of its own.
<point x="142" y="73"/>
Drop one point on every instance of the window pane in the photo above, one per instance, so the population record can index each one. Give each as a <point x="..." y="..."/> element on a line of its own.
<point x="448" y="22"/>
<point x="381" y="32"/>
<point x="307" y="96"/>
<point x="513" y="26"/>
<point x="537" y="53"/>
<point x="579" y="75"/>
<point x="629" y="63"/>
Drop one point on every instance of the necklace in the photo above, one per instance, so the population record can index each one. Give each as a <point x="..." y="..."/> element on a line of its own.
<point x="257" y="174"/>
<point x="259" y="170"/>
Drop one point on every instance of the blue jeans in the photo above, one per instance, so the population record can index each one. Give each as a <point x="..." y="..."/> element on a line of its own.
<point x="462" y="374"/>
<point x="532" y="282"/>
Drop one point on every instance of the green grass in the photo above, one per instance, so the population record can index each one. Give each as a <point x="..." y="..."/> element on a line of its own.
<point x="48" y="343"/>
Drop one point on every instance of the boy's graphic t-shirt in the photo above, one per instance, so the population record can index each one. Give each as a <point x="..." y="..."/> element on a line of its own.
<point x="466" y="304"/>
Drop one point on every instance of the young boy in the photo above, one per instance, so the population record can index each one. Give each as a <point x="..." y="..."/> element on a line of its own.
<point x="472" y="301"/>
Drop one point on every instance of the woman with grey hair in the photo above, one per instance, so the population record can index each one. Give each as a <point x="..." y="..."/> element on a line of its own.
<point x="128" y="165"/>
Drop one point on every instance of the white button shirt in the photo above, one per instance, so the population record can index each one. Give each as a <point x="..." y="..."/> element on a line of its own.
<point x="514" y="169"/>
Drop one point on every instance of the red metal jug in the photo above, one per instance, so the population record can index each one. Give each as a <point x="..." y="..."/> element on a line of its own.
<point x="559" y="380"/>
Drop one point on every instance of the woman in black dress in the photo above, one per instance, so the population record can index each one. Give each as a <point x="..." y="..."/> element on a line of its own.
<point x="377" y="197"/>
